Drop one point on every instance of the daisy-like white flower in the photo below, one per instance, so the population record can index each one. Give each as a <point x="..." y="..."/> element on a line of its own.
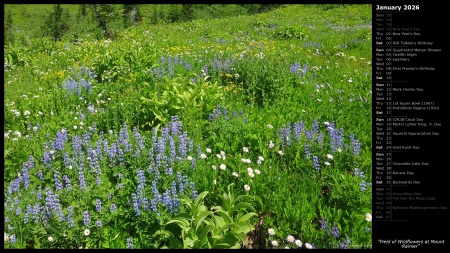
<point x="245" y="149"/>
<point x="219" y="156"/>
<point x="251" y="174"/>
<point x="308" y="246"/>
<point x="189" y="158"/>
<point x="247" y="187"/>
<point x="50" y="238"/>
<point x="257" y="172"/>
<point x="235" y="174"/>
<point x="326" y="123"/>
<point x="222" y="166"/>
<point x="75" y="127"/>
<point x="280" y="152"/>
<point x="290" y="239"/>
<point x="327" y="163"/>
<point x="208" y="150"/>
<point x="274" y="243"/>
<point x="214" y="181"/>
<point x="203" y="156"/>
<point x="249" y="170"/>
<point x="339" y="150"/>
<point x="258" y="162"/>
<point x="350" y="80"/>
<point x="18" y="134"/>
<point x="271" y="231"/>
<point x="298" y="243"/>
<point x="269" y="126"/>
<point x="26" y="113"/>
<point x="213" y="167"/>
<point x="222" y="153"/>
<point x="87" y="232"/>
<point x="330" y="156"/>
<point x="271" y="144"/>
<point x="81" y="123"/>
<point x="286" y="247"/>
<point x="260" y="158"/>
<point x="368" y="217"/>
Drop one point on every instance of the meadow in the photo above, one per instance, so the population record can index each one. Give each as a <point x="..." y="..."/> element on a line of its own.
<point x="252" y="131"/>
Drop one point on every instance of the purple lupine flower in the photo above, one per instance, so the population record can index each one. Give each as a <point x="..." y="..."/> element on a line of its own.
<point x="130" y="243"/>
<point x="316" y="163"/>
<point x="77" y="149"/>
<point x="298" y="128"/>
<point x="40" y="175"/>
<point x="320" y="138"/>
<point x="167" y="200"/>
<point x="12" y="238"/>
<point x="57" y="207"/>
<point x="47" y="159"/>
<point x="39" y="193"/>
<point x="121" y="159"/>
<point x="29" y="210"/>
<point x="49" y="203"/>
<point x="98" y="223"/>
<point x="315" y="126"/>
<point x="35" y="213"/>
<point x="204" y="71"/>
<point x="91" y="108"/>
<point x="61" y="139"/>
<point x="199" y="151"/>
<point x="86" y="218"/>
<point x="67" y="181"/>
<point x="358" y="172"/>
<point x="82" y="181"/>
<point x="182" y="145"/>
<point x="26" y="176"/>
<point x="113" y="207"/>
<point x="323" y="225"/>
<point x="66" y="159"/>
<point x="58" y="184"/>
<point x="175" y="125"/>
<point x="98" y="181"/>
<point x="342" y="245"/>
<point x="193" y="191"/>
<point x="135" y="204"/>
<point x="69" y="217"/>
<point x="98" y="205"/>
<point x="18" y="211"/>
<point x="172" y="149"/>
<point x="180" y="182"/>
<point x="335" y="231"/>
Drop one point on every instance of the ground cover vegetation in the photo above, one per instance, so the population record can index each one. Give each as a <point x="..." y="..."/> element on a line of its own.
<point x="187" y="126"/>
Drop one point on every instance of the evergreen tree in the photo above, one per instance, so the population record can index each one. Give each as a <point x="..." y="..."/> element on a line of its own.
<point x="131" y="15"/>
<point x="55" y="25"/>
<point x="188" y="11"/>
<point x="103" y="13"/>
<point x="8" y="36"/>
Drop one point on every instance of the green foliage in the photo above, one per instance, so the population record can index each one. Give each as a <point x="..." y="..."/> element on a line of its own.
<point x="237" y="89"/>
<point x="56" y="23"/>
<point x="178" y="96"/>
<point x="8" y="36"/>
<point x="219" y="227"/>
<point x="291" y="32"/>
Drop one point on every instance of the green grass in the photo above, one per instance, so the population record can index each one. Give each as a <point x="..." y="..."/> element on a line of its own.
<point x="253" y="92"/>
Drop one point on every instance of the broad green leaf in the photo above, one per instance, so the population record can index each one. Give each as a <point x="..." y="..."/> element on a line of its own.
<point x="246" y="217"/>
<point x="226" y="217"/>
<point x="201" y="216"/>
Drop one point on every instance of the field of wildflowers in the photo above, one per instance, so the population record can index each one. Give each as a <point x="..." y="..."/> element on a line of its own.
<point x="242" y="132"/>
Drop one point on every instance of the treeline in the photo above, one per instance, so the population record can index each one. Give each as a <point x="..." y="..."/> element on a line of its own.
<point x="105" y="21"/>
